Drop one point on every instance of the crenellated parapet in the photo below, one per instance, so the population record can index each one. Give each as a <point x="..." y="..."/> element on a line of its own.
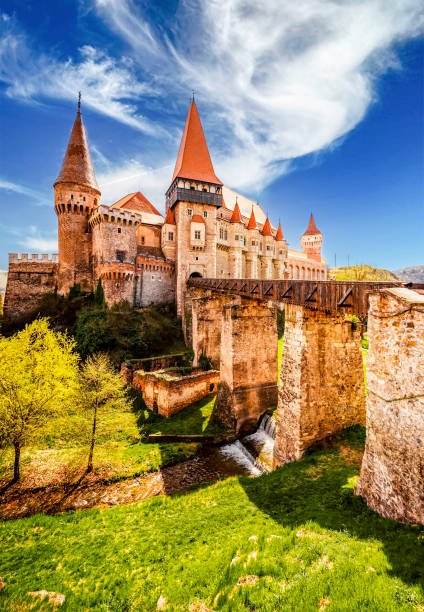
<point x="33" y="257"/>
<point x="105" y="214"/>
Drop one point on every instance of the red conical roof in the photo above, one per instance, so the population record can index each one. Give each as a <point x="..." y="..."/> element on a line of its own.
<point x="77" y="166"/>
<point x="279" y="235"/>
<point x="169" y="219"/>
<point x="252" y="221"/>
<point x="312" y="228"/>
<point x="194" y="161"/>
<point x="236" y="216"/>
<point x="267" y="230"/>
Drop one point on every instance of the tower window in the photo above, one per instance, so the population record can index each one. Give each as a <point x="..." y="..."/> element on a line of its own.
<point x="120" y="256"/>
<point x="221" y="233"/>
<point x="119" y="230"/>
<point x="205" y="212"/>
<point x="197" y="235"/>
<point x="225" y="235"/>
<point x="189" y="211"/>
<point x="170" y="235"/>
<point x="253" y="243"/>
<point x="83" y="199"/>
<point x="72" y="196"/>
<point x="142" y="240"/>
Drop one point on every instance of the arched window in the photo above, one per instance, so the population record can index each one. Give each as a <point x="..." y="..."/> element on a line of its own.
<point x="195" y="275"/>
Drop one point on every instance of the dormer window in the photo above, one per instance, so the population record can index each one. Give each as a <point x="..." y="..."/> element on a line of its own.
<point x="197" y="235"/>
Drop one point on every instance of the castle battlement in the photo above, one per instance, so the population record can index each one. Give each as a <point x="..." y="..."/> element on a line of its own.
<point x="106" y="214"/>
<point x="33" y="257"/>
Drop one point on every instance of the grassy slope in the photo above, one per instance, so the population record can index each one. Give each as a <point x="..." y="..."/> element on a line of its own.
<point x="121" y="449"/>
<point x="362" y="272"/>
<point x="330" y="550"/>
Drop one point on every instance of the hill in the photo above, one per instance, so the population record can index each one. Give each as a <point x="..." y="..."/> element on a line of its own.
<point x="414" y="274"/>
<point x="363" y="272"/>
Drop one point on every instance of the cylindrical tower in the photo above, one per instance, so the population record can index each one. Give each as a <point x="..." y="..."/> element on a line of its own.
<point x="76" y="195"/>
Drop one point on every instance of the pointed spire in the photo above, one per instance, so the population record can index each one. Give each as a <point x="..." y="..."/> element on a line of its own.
<point x="252" y="221"/>
<point x="236" y="216"/>
<point x="194" y="161"/>
<point x="279" y="235"/>
<point x="267" y="230"/>
<point x="77" y="166"/>
<point x="312" y="228"/>
<point x="169" y="219"/>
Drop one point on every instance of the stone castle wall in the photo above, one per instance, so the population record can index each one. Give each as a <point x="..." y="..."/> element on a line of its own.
<point x="392" y="473"/>
<point x="321" y="383"/>
<point x="28" y="279"/>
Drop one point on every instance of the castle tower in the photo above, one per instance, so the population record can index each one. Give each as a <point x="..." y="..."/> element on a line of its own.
<point x="311" y="241"/>
<point x="253" y="238"/>
<point x="76" y="195"/>
<point x="280" y="253"/>
<point x="194" y="196"/>
<point x="267" y="251"/>
<point x="169" y="235"/>
<point x="237" y="238"/>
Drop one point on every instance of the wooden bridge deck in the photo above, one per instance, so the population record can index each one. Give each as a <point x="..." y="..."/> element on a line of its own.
<point x="330" y="296"/>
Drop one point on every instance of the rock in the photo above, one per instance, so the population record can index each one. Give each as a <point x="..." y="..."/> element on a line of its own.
<point x="324" y="603"/>
<point x="56" y="599"/>
<point x="161" y="603"/>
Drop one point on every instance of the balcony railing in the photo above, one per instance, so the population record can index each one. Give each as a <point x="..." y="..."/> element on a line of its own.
<point x="193" y="195"/>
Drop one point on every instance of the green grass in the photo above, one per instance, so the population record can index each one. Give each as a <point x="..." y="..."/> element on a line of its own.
<point x="61" y="450"/>
<point x="300" y="533"/>
<point x="280" y="355"/>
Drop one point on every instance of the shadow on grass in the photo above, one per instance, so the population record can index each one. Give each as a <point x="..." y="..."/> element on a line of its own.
<point x="319" y="488"/>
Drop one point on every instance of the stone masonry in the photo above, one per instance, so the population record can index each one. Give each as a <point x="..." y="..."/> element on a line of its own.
<point x="248" y="365"/>
<point x="206" y="326"/>
<point x="322" y="381"/>
<point x="392" y="473"/>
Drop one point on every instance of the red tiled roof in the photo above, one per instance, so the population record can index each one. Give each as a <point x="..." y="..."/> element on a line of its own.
<point x="77" y="166"/>
<point x="194" y="161"/>
<point x="236" y="216"/>
<point x="169" y="219"/>
<point x="312" y="228"/>
<point x="136" y="202"/>
<point x="267" y="230"/>
<point x="197" y="219"/>
<point x="279" y="235"/>
<point x="252" y="221"/>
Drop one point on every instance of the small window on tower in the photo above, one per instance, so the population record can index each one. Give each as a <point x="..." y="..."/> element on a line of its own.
<point x="170" y="235"/>
<point x="205" y="212"/>
<point x="253" y="243"/>
<point x="72" y="196"/>
<point x="197" y="235"/>
<point x="225" y="235"/>
<point x="189" y="211"/>
<point x="120" y="256"/>
<point x="83" y="199"/>
<point x="142" y="240"/>
<point x="119" y="230"/>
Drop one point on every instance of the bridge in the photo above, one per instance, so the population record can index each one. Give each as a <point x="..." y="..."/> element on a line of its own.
<point x="321" y="387"/>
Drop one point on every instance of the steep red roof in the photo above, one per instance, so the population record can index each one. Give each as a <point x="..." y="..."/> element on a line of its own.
<point x="236" y="216"/>
<point x="312" y="228"/>
<point x="279" y="235"/>
<point x="194" y="161"/>
<point x="252" y="221"/>
<point x="197" y="219"/>
<point x="169" y="219"/>
<point x="77" y="166"/>
<point x="267" y="230"/>
<point x="136" y="202"/>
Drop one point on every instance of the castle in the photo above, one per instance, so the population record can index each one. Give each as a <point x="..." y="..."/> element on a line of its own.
<point x="144" y="258"/>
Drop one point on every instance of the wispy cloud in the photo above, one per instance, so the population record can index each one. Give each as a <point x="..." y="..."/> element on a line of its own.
<point x="32" y="238"/>
<point x="275" y="80"/>
<point x="35" y="196"/>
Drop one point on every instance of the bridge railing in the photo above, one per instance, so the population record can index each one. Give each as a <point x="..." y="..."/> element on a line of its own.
<point x="330" y="296"/>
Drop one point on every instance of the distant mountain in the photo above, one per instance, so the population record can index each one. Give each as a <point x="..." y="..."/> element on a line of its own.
<point x="363" y="272"/>
<point x="3" y="280"/>
<point x="414" y="274"/>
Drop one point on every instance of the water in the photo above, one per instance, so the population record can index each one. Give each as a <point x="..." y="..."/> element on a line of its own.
<point x="254" y="453"/>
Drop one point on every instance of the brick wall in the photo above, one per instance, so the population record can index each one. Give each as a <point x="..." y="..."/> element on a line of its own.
<point x="392" y="473"/>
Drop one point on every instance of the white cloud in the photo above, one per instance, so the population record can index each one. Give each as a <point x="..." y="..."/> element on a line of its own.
<point x="32" y="194"/>
<point x="33" y="238"/>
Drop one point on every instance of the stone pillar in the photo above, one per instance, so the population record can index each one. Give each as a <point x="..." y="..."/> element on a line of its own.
<point x="392" y="472"/>
<point x="249" y="365"/>
<point x="206" y="320"/>
<point x="321" y="382"/>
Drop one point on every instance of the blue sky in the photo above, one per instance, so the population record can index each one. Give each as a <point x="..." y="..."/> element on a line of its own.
<point x="313" y="105"/>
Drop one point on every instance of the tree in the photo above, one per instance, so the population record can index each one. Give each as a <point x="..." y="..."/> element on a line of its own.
<point x="99" y="295"/>
<point x="37" y="378"/>
<point x="101" y="389"/>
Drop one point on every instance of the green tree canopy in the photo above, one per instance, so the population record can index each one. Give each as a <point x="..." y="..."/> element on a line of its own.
<point x="38" y="376"/>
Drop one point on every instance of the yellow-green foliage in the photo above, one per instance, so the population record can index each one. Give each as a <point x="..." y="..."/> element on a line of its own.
<point x="363" y="272"/>
<point x="37" y="379"/>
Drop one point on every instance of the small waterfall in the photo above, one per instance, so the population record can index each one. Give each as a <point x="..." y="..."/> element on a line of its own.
<point x="268" y="425"/>
<point x="239" y="453"/>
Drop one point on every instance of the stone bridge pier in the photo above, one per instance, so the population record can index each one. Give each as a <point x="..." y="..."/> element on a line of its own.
<point x="206" y="313"/>
<point x="248" y="364"/>
<point x="322" y="381"/>
<point x="392" y="472"/>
